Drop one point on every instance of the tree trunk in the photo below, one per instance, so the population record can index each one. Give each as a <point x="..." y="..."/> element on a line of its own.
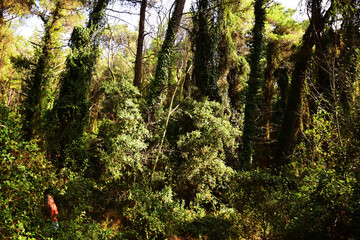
<point x="140" y="44"/>
<point x="290" y="127"/>
<point x="251" y="105"/>
<point x="157" y="84"/>
<point x="206" y="63"/>
<point x="268" y="89"/>
<point x="349" y="56"/>
<point x="2" y="82"/>
<point x="71" y="111"/>
<point x="40" y="76"/>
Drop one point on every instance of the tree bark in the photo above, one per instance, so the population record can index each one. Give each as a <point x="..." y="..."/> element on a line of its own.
<point x="39" y="77"/>
<point x="157" y="84"/>
<point x="251" y="107"/>
<point x="206" y="41"/>
<point x="290" y="127"/>
<point x="140" y="44"/>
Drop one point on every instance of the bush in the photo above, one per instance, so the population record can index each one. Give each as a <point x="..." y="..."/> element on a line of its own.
<point x="24" y="175"/>
<point x="122" y="133"/>
<point x="162" y="215"/>
<point x="203" y="148"/>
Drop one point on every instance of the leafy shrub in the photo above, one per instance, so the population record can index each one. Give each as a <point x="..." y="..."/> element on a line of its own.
<point x="214" y="226"/>
<point x="325" y="168"/>
<point x="24" y="175"/>
<point x="122" y="133"/>
<point x="314" y="197"/>
<point x="161" y="215"/>
<point x="205" y="140"/>
<point x="262" y="198"/>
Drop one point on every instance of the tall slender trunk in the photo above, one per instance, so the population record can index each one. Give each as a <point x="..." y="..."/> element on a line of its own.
<point x="2" y="82"/>
<point x="268" y="89"/>
<point x="206" y="62"/>
<point x="39" y="77"/>
<point x="349" y="56"/>
<point x="158" y="83"/>
<point x="140" y="44"/>
<point x="251" y="107"/>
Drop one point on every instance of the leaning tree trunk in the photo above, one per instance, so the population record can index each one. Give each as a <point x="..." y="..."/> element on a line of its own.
<point x="39" y="78"/>
<point x="158" y="82"/>
<point x="290" y="127"/>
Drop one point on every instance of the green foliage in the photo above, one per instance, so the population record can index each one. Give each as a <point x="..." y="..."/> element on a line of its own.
<point x="160" y="214"/>
<point x="12" y="8"/>
<point x="24" y="174"/>
<point x="223" y="224"/>
<point x="206" y="44"/>
<point x="164" y="56"/>
<point x="263" y="200"/>
<point x="83" y="228"/>
<point x="122" y="132"/>
<point x="118" y="43"/>
<point x="155" y="213"/>
<point x="38" y="91"/>
<point x="12" y="47"/>
<point x="174" y="177"/>
<point x="328" y="183"/>
<point x="204" y="146"/>
<point x="314" y="197"/>
<point x="77" y="201"/>
<point x="71" y="111"/>
<point x="281" y="25"/>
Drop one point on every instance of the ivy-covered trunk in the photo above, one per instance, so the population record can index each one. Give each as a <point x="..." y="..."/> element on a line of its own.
<point x="71" y="111"/>
<point x="349" y="53"/>
<point x="268" y="88"/>
<point x="206" y="43"/>
<point x="290" y="127"/>
<point x="251" y="104"/>
<point x="158" y="82"/>
<point x="38" y="82"/>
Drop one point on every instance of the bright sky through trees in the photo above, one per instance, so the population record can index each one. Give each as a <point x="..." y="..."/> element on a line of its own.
<point x="34" y="23"/>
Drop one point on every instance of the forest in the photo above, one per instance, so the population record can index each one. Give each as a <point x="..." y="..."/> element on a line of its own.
<point x="208" y="119"/>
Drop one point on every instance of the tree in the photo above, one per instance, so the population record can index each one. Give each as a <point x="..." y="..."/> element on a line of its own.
<point x="158" y="82"/>
<point x="140" y="45"/>
<point x="10" y="10"/>
<point x="38" y="82"/>
<point x="349" y="53"/>
<point x="233" y="65"/>
<point x="71" y="111"/>
<point x="117" y="45"/>
<point x="251" y="104"/>
<point x="290" y="127"/>
<point x="282" y="35"/>
<point x="206" y="43"/>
